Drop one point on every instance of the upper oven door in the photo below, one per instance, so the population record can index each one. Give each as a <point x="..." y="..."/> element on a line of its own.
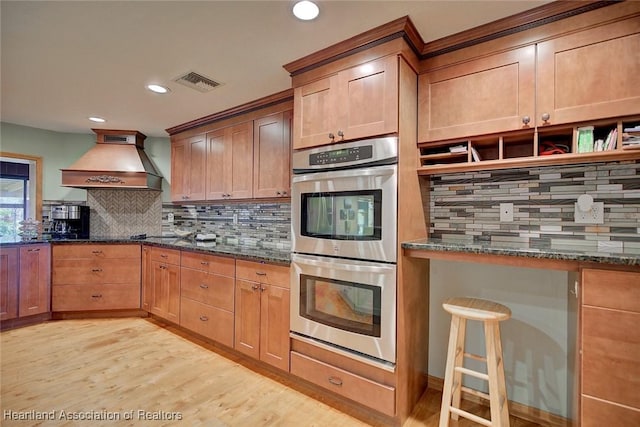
<point x="347" y="213"/>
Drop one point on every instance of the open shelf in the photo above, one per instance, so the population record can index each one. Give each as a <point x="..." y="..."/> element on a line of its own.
<point x="553" y="145"/>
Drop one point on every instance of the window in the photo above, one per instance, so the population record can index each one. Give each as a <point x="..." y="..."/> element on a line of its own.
<point x="20" y="195"/>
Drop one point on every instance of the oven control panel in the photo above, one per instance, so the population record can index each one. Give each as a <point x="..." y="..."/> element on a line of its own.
<point x="342" y="155"/>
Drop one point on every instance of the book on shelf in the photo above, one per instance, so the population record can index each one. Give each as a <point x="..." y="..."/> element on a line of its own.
<point x="631" y="138"/>
<point x="475" y="155"/>
<point x="458" y="149"/>
<point x="585" y="139"/>
<point x="610" y="141"/>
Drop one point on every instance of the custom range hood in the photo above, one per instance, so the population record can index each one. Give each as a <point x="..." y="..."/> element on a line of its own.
<point x="117" y="160"/>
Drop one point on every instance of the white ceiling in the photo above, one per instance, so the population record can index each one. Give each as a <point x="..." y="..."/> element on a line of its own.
<point x="63" y="61"/>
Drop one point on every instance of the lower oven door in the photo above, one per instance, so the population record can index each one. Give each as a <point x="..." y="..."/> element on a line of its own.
<point x="345" y="303"/>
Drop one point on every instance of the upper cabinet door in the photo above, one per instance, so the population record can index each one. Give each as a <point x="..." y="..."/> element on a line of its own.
<point x="481" y="96"/>
<point x="188" y="160"/>
<point x="272" y="156"/>
<point x="314" y="107"/>
<point x="368" y="103"/>
<point x="218" y="165"/>
<point x="241" y="140"/>
<point x="591" y="74"/>
<point x="356" y="103"/>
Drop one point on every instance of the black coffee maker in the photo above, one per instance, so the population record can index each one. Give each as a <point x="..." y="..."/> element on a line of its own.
<point x="69" y="222"/>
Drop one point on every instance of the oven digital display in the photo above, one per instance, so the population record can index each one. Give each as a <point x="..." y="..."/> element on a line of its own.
<point x="342" y="155"/>
<point x="346" y="215"/>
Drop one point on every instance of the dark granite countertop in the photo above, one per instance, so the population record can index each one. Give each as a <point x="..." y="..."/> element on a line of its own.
<point x="577" y="253"/>
<point x="240" y="251"/>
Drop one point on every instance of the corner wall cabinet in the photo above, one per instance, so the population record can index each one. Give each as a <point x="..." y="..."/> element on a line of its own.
<point x="609" y="348"/>
<point x="357" y="102"/>
<point x="90" y="277"/>
<point x="207" y="295"/>
<point x="24" y="281"/>
<point x="262" y="312"/>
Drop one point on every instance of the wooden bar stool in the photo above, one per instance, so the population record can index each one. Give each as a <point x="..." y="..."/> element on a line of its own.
<point x="490" y="313"/>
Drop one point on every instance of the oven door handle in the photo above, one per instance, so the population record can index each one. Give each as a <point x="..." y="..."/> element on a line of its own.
<point x="348" y="173"/>
<point x="337" y="264"/>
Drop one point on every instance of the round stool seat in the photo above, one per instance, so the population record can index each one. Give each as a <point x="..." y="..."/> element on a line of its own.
<point x="476" y="309"/>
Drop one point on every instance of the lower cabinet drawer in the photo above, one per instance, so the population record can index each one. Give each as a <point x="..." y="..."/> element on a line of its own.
<point x="210" y="289"/>
<point x="99" y="271"/>
<point x="92" y="297"/>
<point x="362" y="390"/>
<point x="598" y="413"/>
<point x="207" y="321"/>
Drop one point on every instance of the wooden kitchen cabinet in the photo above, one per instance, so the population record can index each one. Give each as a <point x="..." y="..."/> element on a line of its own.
<point x="25" y="274"/>
<point x="357" y="102"/>
<point x="9" y="274"/>
<point x="486" y="95"/>
<point x="91" y="277"/>
<point x="163" y="287"/>
<point x="610" y="340"/>
<point x="230" y="163"/>
<point x="35" y="276"/>
<point x="188" y="168"/>
<point x="262" y="312"/>
<point x="207" y="291"/>
<point x="590" y="74"/>
<point x="272" y="155"/>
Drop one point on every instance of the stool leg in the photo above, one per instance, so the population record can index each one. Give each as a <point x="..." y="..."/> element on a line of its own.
<point x="454" y="337"/>
<point x="459" y="361"/>
<point x="497" y="389"/>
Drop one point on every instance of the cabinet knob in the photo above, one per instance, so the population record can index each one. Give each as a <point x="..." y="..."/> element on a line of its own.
<point x="341" y="134"/>
<point x="284" y="193"/>
<point x="262" y="289"/>
<point x="254" y="287"/>
<point x="331" y="136"/>
<point x="526" y="120"/>
<point x="546" y="117"/>
<point x="278" y="193"/>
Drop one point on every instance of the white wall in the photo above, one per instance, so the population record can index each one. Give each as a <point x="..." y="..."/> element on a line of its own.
<point x="59" y="150"/>
<point x="537" y="340"/>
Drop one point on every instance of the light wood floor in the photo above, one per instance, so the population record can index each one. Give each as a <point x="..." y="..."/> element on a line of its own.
<point x="107" y="368"/>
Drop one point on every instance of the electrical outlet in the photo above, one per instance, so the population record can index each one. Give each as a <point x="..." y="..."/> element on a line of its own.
<point x="506" y="212"/>
<point x="595" y="215"/>
<point x="170" y="217"/>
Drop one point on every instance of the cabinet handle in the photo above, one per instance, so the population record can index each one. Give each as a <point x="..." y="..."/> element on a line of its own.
<point x="262" y="289"/>
<point x="164" y="256"/>
<point x="284" y="193"/>
<point x="96" y="252"/>
<point x="332" y="136"/>
<point x="341" y="134"/>
<point x="96" y="296"/>
<point x="33" y="250"/>
<point x="335" y="381"/>
<point x="278" y="193"/>
<point x="546" y="117"/>
<point x="96" y="270"/>
<point x="260" y="273"/>
<point x="204" y="318"/>
<point x="254" y="287"/>
<point x="204" y="262"/>
<point x="164" y="267"/>
<point x="204" y="286"/>
<point x="526" y="120"/>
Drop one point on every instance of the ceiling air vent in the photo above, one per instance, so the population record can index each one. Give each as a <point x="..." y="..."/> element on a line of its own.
<point x="197" y="81"/>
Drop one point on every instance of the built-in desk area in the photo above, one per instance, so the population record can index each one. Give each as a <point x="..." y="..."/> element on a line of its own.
<point x="569" y="347"/>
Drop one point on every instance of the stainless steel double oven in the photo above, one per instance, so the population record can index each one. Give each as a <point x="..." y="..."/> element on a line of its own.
<point x="344" y="228"/>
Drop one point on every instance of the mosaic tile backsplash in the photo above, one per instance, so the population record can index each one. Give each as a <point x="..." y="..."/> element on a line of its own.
<point x="257" y="224"/>
<point x="465" y="207"/>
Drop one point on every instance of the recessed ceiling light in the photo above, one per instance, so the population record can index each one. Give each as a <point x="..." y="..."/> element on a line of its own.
<point x="305" y="10"/>
<point x="158" y="88"/>
<point x="97" y="119"/>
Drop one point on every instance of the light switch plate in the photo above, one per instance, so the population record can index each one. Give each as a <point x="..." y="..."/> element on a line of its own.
<point x="593" y="216"/>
